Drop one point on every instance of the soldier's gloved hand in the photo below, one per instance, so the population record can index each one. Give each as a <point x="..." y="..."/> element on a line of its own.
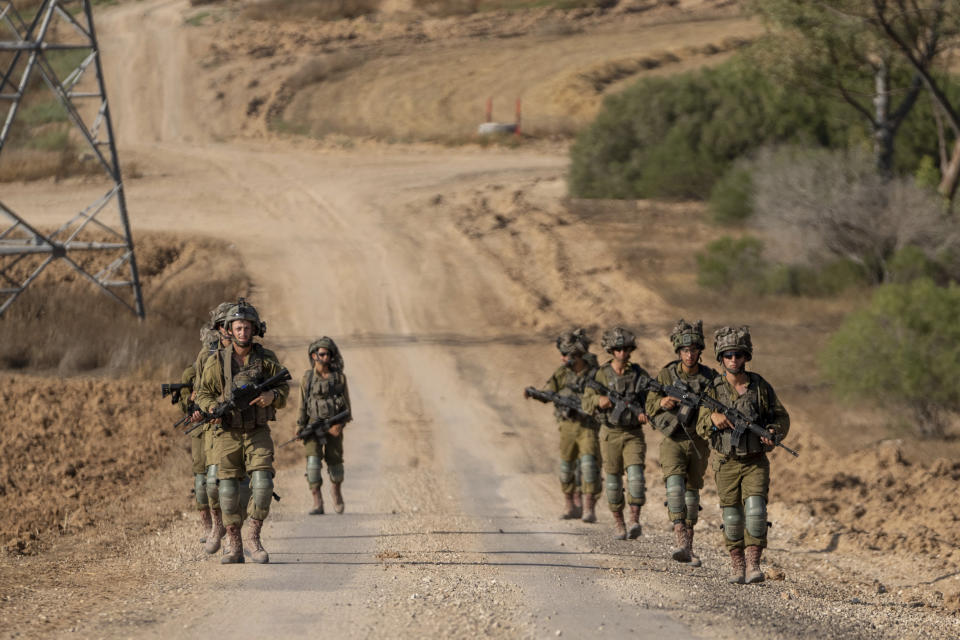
<point x="603" y="402"/>
<point x="668" y="403"/>
<point x="336" y="430"/>
<point x="769" y="441"/>
<point x="720" y="421"/>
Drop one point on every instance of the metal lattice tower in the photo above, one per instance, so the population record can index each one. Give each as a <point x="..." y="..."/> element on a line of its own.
<point x="61" y="36"/>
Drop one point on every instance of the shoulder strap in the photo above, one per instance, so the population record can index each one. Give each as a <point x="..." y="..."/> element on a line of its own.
<point x="226" y="370"/>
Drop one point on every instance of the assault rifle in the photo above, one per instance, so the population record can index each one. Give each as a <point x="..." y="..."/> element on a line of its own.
<point x="563" y="402"/>
<point x="319" y="427"/>
<point x="191" y="408"/>
<point x="174" y="390"/>
<point x="241" y="398"/>
<point x="741" y="423"/>
<point x="620" y="402"/>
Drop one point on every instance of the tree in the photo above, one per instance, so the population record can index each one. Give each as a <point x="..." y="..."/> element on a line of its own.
<point x="832" y="47"/>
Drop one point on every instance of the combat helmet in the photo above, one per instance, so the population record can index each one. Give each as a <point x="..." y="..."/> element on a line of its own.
<point x="325" y="342"/>
<point x="685" y="334"/>
<point x="733" y="339"/>
<point x="243" y="310"/>
<point x="219" y="315"/>
<point x="573" y="342"/>
<point x="618" y="338"/>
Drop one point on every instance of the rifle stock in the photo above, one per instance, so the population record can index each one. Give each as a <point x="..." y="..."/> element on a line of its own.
<point x="563" y="402"/>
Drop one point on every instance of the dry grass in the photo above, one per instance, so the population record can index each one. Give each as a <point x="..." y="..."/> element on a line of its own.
<point x="63" y="323"/>
<point x="24" y="165"/>
<point x="279" y="10"/>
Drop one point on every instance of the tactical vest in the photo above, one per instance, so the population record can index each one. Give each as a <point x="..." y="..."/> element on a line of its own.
<point x="679" y="423"/>
<point x="573" y="386"/>
<point x="253" y="372"/>
<point x="625" y="386"/>
<point x="754" y="404"/>
<point x="325" y="396"/>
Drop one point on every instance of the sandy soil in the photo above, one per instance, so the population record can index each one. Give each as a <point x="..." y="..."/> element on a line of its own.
<point x="445" y="275"/>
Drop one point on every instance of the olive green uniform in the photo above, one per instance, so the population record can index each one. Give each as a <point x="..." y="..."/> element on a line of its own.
<point x="578" y="435"/>
<point x="683" y="453"/>
<point x="242" y="440"/>
<point x="742" y="474"/>
<point x="322" y="398"/>
<point x="622" y="442"/>
<point x="203" y="436"/>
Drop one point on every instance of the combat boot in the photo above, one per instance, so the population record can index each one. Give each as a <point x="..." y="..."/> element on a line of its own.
<point x="577" y="504"/>
<point x="569" y="509"/>
<point x="753" y="573"/>
<point x="738" y="566"/>
<point x="694" y="558"/>
<point x="620" y="527"/>
<point x="217" y="531"/>
<point x="206" y="521"/>
<point x="337" y="497"/>
<point x="317" y="502"/>
<point x="258" y="553"/>
<point x="234" y="546"/>
<point x="679" y="551"/>
<point x="589" y="506"/>
<point x="635" y="529"/>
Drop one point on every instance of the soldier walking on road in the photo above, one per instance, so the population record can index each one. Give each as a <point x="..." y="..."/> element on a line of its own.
<point x="683" y="453"/>
<point x="198" y="458"/>
<point x="742" y="472"/>
<point x="324" y="394"/>
<point x="579" y="444"/>
<point x="243" y="443"/>
<point x="622" y="443"/>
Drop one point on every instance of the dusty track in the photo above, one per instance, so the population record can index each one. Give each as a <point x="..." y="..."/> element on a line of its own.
<point x="451" y="497"/>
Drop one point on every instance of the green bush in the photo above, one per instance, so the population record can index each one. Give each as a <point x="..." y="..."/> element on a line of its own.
<point x="911" y="263"/>
<point x="902" y="350"/>
<point x="731" y="197"/>
<point x="732" y="265"/>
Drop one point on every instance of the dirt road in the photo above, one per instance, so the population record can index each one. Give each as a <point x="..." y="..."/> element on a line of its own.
<point x="451" y="525"/>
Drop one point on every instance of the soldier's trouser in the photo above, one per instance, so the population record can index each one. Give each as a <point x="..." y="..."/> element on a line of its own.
<point x="742" y="486"/>
<point x="330" y="452"/>
<point x="623" y="450"/>
<point x="199" y="457"/>
<point x="679" y="461"/>
<point x="241" y="453"/>
<point x="209" y="449"/>
<point x="576" y="443"/>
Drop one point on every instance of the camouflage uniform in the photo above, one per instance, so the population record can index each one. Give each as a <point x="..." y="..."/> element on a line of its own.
<point x="242" y="440"/>
<point x="323" y="398"/>
<point x="578" y="435"/>
<point x="683" y="453"/>
<point x="742" y="474"/>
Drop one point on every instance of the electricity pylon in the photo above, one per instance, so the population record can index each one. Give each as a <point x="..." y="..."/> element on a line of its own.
<point x="60" y="40"/>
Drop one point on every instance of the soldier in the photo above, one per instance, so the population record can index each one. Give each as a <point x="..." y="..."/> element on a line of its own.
<point x="683" y="453"/>
<point x="243" y="443"/>
<point x="199" y="459"/>
<point x="212" y="336"/>
<point x="742" y="473"/>
<point x="622" y="444"/>
<point x="323" y="394"/>
<point x="578" y="435"/>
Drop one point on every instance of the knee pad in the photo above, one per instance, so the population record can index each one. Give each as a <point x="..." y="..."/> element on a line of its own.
<point x="200" y="489"/>
<point x="565" y="471"/>
<point x="577" y="476"/>
<point x="335" y="471"/>
<point x="213" y="489"/>
<point x="614" y="485"/>
<point x="733" y="523"/>
<point x="229" y="496"/>
<point x="635" y="482"/>
<point x="314" y="465"/>
<point x="692" y="499"/>
<point x="755" y="512"/>
<point x="261" y="488"/>
<point x="676" y="485"/>
<point x="588" y="469"/>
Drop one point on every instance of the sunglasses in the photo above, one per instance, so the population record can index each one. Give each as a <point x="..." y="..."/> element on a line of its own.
<point x="323" y="354"/>
<point x="733" y="355"/>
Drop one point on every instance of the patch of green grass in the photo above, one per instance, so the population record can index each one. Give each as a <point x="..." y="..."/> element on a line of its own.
<point x="51" y="140"/>
<point x="196" y="20"/>
<point x="64" y="61"/>
<point x="42" y="113"/>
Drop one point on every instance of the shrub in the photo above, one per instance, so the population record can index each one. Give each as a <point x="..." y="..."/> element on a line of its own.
<point x="902" y="350"/>
<point x="732" y="265"/>
<point x="817" y="205"/>
<point x="731" y="199"/>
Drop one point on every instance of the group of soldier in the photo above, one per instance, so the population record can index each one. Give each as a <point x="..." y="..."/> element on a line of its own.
<point x="231" y="443"/>
<point x="604" y="428"/>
